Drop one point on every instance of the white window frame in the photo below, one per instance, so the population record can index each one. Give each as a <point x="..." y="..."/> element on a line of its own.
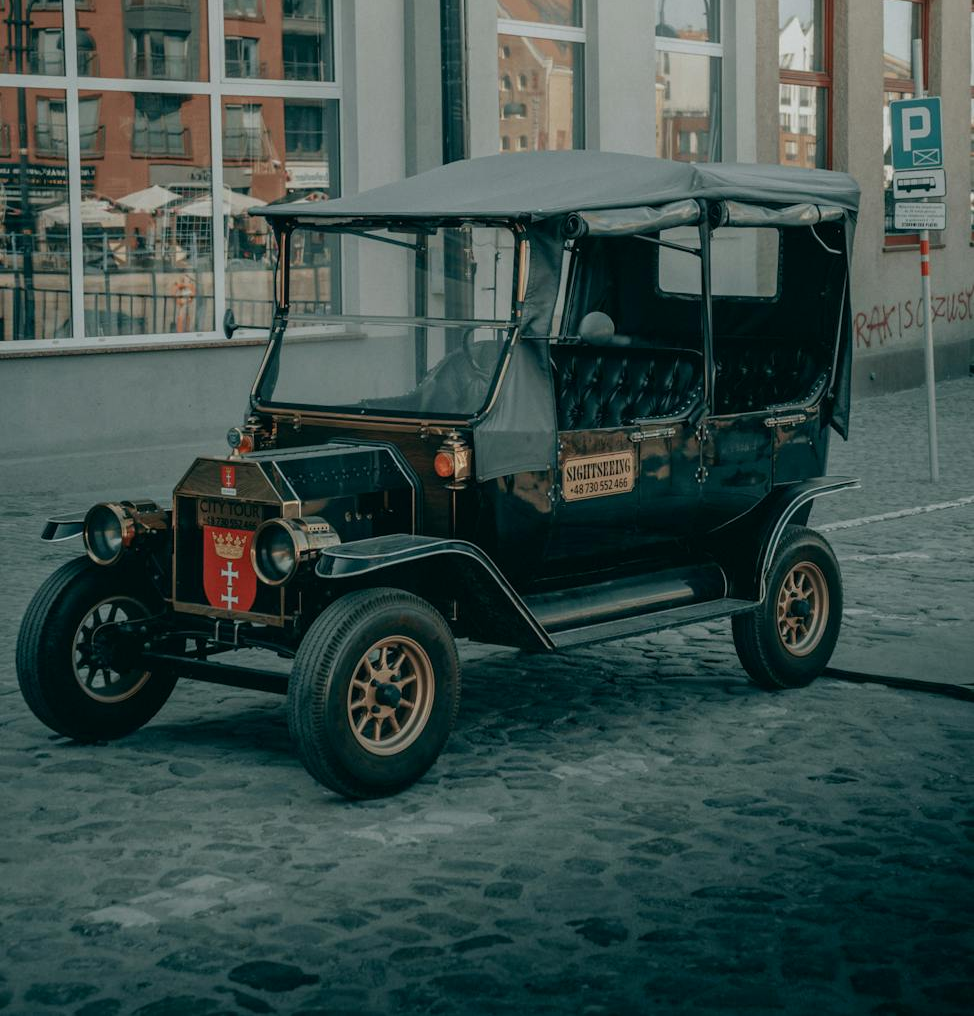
<point x="217" y="87"/>
<point x="665" y="44"/>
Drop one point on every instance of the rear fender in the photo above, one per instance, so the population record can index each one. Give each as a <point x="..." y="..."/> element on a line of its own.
<point x="439" y="569"/>
<point x="746" y="547"/>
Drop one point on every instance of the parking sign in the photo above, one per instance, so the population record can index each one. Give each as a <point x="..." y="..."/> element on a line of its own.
<point x="917" y="133"/>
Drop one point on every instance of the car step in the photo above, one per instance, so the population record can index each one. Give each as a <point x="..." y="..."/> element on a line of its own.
<point x="625" y="627"/>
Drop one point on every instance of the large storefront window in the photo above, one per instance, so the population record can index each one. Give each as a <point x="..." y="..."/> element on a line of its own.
<point x="805" y="70"/>
<point x="689" y="58"/>
<point x="123" y="213"/>
<point x="903" y="21"/>
<point x="540" y="60"/>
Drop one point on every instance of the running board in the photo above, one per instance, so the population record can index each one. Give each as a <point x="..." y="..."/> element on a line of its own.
<point x="641" y="625"/>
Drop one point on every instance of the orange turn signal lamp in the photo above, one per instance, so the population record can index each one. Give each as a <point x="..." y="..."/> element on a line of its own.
<point x="454" y="460"/>
<point x="240" y="441"/>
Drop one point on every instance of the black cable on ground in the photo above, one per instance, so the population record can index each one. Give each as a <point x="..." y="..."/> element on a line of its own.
<point x="904" y="683"/>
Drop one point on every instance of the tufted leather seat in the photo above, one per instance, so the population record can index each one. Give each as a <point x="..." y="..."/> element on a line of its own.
<point x="756" y="376"/>
<point x="600" y="386"/>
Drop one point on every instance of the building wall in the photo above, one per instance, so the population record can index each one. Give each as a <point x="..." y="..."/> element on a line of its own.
<point x="388" y="51"/>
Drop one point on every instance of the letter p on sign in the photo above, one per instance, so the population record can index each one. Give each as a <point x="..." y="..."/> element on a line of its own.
<point x="916" y="126"/>
<point x="917" y="135"/>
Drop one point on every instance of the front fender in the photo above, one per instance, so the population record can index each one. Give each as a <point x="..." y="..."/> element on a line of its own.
<point x="746" y="546"/>
<point x="63" y="527"/>
<point x="440" y="569"/>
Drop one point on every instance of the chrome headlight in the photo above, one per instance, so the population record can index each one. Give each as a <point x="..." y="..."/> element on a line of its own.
<point x="112" y="528"/>
<point x="282" y="546"/>
<point x="109" y="529"/>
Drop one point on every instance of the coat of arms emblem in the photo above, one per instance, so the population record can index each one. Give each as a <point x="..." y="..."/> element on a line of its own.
<point x="229" y="579"/>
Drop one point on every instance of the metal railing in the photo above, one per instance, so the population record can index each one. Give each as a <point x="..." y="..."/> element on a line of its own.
<point x="305" y="70"/>
<point x="4" y="141"/>
<point x="302" y="144"/>
<point x="305" y="10"/>
<point x="138" y="5"/>
<point x="88" y="65"/>
<point x="246" y="143"/>
<point x="245" y="10"/>
<point x="45" y="63"/>
<point x="242" y="67"/>
<point x="51" y="141"/>
<point x="165" y="68"/>
<point x="174" y="142"/>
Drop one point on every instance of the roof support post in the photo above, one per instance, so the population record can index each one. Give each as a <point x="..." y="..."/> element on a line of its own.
<point x="706" y="310"/>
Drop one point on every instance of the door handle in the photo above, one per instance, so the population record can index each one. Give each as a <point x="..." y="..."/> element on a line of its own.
<point x="649" y="435"/>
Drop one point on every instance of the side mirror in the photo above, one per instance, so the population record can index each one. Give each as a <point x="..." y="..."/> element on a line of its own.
<point x="229" y="324"/>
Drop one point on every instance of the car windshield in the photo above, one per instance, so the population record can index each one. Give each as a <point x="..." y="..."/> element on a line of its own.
<point x="383" y="321"/>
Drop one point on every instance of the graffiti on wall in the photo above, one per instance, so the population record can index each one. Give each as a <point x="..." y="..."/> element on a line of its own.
<point x="887" y="321"/>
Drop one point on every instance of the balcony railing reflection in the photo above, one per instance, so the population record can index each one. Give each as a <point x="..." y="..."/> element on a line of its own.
<point x="304" y="70"/>
<point x="88" y="63"/>
<point x="244" y="9"/>
<point x="51" y="141"/>
<point x="304" y="144"/>
<point x="4" y="141"/>
<point x="150" y="141"/>
<point x="243" y="68"/>
<point x="167" y="68"/>
<point x="246" y="143"/>
<point x="45" y="63"/>
<point x="305" y="10"/>
<point x="140" y="5"/>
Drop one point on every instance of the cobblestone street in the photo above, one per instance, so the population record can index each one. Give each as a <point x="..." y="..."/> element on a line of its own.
<point x="623" y="829"/>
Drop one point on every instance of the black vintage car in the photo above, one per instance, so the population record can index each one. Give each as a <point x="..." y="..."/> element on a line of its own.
<point x="539" y="400"/>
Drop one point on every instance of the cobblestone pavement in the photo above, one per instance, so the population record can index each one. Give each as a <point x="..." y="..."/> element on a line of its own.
<point x="629" y="828"/>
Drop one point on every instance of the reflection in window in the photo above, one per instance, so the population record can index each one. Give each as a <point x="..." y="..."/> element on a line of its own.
<point x="545" y="12"/>
<point x="295" y="40"/>
<point x="157" y="54"/>
<point x="47" y="51"/>
<point x="158" y="127"/>
<point x="903" y="21"/>
<point x="690" y="20"/>
<point x="279" y="150"/>
<point x="550" y="99"/>
<point x="146" y="215"/>
<point x="803" y="102"/>
<point x="35" y="269"/>
<point x="688" y="108"/>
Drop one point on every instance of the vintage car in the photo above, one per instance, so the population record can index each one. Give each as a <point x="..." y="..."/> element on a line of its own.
<point x="540" y="401"/>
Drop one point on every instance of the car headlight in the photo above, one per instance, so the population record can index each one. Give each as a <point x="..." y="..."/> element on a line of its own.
<point x="109" y="529"/>
<point x="112" y="528"/>
<point x="282" y="546"/>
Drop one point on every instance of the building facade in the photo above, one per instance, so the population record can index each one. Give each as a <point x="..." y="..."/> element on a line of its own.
<point x="136" y="136"/>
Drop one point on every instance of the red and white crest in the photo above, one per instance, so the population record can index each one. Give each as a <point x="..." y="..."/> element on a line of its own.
<point x="229" y="579"/>
<point x="228" y="477"/>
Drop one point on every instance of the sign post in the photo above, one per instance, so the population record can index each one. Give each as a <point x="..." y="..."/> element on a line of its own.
<point x="918" y="159"/>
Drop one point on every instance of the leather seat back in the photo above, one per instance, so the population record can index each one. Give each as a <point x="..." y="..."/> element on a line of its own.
<point x="761" y="375"/>
<point x="601" y="386"/>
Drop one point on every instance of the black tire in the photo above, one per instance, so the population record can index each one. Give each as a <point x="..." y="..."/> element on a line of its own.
<point x="324" y="707"/>
<point x="50" y="680"/>
<point x="775" y="660"/>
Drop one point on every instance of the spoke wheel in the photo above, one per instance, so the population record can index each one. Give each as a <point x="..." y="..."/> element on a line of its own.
<point x="374" y="692"/>
<point x="65" y="646"/>
<point x="96" y="677"/>
<point x="390" y="697"/>
<point x="803" y="608"/>
<point x="787" y="641"/>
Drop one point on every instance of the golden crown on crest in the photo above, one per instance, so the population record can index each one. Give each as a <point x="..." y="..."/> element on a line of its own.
<point x="229" y="547"/>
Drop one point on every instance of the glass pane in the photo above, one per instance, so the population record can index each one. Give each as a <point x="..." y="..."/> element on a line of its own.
<point x="801" y="41"/>
<point x="278" y="40"/>
<point x="33" y="37"/>
<point x="146" y="213"/>
<point x="889" y="97"/>
<point x="743" y="262"/>
<point x="687" y="107"/>
<point x="159" y="40"/>
<point x="803" y="119"/>
<point x="972" y="164"/>
<point x="972" y="49"/>
<point x="540" y="94"/>
<point x="544" y="12"/>
<point x="35" y="260"/>
<point x="693" y="20"/>
<point x="440" y="360"/>
<point x="902" y="23"/>
<point x="278" y="150"/>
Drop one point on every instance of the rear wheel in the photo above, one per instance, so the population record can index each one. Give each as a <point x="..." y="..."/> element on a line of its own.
<point x="374" y="692"/>
<point x="788" y="640"/>
<point x="68" y="674"/>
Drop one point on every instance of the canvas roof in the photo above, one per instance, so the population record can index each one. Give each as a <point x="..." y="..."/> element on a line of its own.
<point x="533" y="186"/>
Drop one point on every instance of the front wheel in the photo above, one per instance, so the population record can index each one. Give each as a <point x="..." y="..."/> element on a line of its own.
<point x="788" y="640"/>
<point x="374" y="692"/>
<point x="64" y="661"/>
